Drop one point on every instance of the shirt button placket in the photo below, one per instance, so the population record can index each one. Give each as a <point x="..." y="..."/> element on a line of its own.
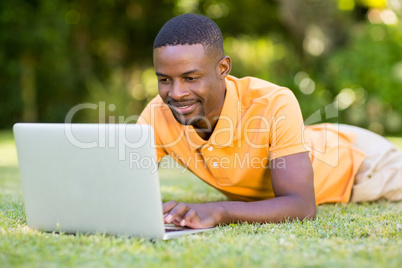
<point x="217" y="170"/>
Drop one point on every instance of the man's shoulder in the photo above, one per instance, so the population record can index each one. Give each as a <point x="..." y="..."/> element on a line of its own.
<point x="252" y="82"/>
<point x="252" y="90"/>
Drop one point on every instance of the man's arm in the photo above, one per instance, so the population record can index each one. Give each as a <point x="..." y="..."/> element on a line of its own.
<point x="293" y="185"/>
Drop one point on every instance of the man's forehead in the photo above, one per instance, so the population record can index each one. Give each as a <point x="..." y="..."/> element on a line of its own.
<point x="179" y="50"/>
<point x="181" y="58"/>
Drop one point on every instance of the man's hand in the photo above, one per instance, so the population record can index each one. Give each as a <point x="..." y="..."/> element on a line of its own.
<point x="192" y="215"/>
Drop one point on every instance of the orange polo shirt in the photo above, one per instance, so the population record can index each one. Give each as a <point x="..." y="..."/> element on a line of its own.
<point x="259" y="122"/>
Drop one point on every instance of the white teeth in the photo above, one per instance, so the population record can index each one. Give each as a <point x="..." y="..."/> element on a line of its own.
<point x="182" y="107"/>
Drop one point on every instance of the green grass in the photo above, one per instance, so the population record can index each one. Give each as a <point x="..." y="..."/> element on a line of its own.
<point x="352" y="235"/>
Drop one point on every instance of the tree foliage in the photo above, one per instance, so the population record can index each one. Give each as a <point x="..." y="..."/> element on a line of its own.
<point x="55" y="54"/>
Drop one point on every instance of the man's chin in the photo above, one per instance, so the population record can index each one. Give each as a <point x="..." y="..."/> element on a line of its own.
<point x="184" y="120"/>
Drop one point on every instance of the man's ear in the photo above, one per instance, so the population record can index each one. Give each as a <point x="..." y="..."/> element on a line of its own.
<point x="225" y="65"/>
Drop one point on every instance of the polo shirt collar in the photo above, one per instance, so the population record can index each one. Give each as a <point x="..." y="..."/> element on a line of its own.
<point x="225" y="129"/>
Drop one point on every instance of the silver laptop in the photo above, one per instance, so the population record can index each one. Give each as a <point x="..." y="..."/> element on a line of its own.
<point x="92" y="178"/>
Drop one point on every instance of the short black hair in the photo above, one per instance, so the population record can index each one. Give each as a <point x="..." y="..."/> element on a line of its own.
<point x="191" y="29"/>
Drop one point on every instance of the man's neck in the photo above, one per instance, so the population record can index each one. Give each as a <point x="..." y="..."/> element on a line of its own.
<point x="205" y="132"/>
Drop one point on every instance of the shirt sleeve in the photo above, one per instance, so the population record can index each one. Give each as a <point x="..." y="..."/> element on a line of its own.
<point x="287" y="127"/>
<point x="148" y="116"/>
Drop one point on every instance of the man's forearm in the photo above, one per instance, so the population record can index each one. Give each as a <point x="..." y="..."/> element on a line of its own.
<point x="273" y="210"/>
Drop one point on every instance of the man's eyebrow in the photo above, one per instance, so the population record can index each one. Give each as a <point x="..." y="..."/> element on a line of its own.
<point x="189" y="72"/>
<point x="160" y="74"/>
<point x="183" y="74"/>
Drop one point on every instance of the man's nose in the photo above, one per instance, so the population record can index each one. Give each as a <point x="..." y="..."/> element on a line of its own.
<point x="178" y="90"/>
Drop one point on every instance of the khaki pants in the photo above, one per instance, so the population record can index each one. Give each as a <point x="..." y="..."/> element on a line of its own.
<point x="380" y="174"/>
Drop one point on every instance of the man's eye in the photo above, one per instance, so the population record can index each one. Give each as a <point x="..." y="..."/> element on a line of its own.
<point x="164" y="80"/>
<point x="191" y="79"/>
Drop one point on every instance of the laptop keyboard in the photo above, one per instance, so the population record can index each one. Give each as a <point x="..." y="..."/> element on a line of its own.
<point x="172" y="228"/>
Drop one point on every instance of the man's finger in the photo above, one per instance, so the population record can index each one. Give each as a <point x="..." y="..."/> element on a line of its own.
<point x="189" y="217"/>
<point x="176" y="213"/>
<point x="168" y="206"/>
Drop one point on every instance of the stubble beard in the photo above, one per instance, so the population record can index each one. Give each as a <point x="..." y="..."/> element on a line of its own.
<point x="194" y="121"/>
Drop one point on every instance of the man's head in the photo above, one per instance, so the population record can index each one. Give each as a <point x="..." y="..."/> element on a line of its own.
<point x="191" y="68"/>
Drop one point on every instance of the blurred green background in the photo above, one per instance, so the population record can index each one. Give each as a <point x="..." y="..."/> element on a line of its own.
<point x="342" y="54"/>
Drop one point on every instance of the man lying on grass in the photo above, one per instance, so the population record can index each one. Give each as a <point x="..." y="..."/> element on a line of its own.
<point x="246" y="138"/>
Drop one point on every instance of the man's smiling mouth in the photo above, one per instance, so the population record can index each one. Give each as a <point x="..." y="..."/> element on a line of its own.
<point x="183" y="109"/>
